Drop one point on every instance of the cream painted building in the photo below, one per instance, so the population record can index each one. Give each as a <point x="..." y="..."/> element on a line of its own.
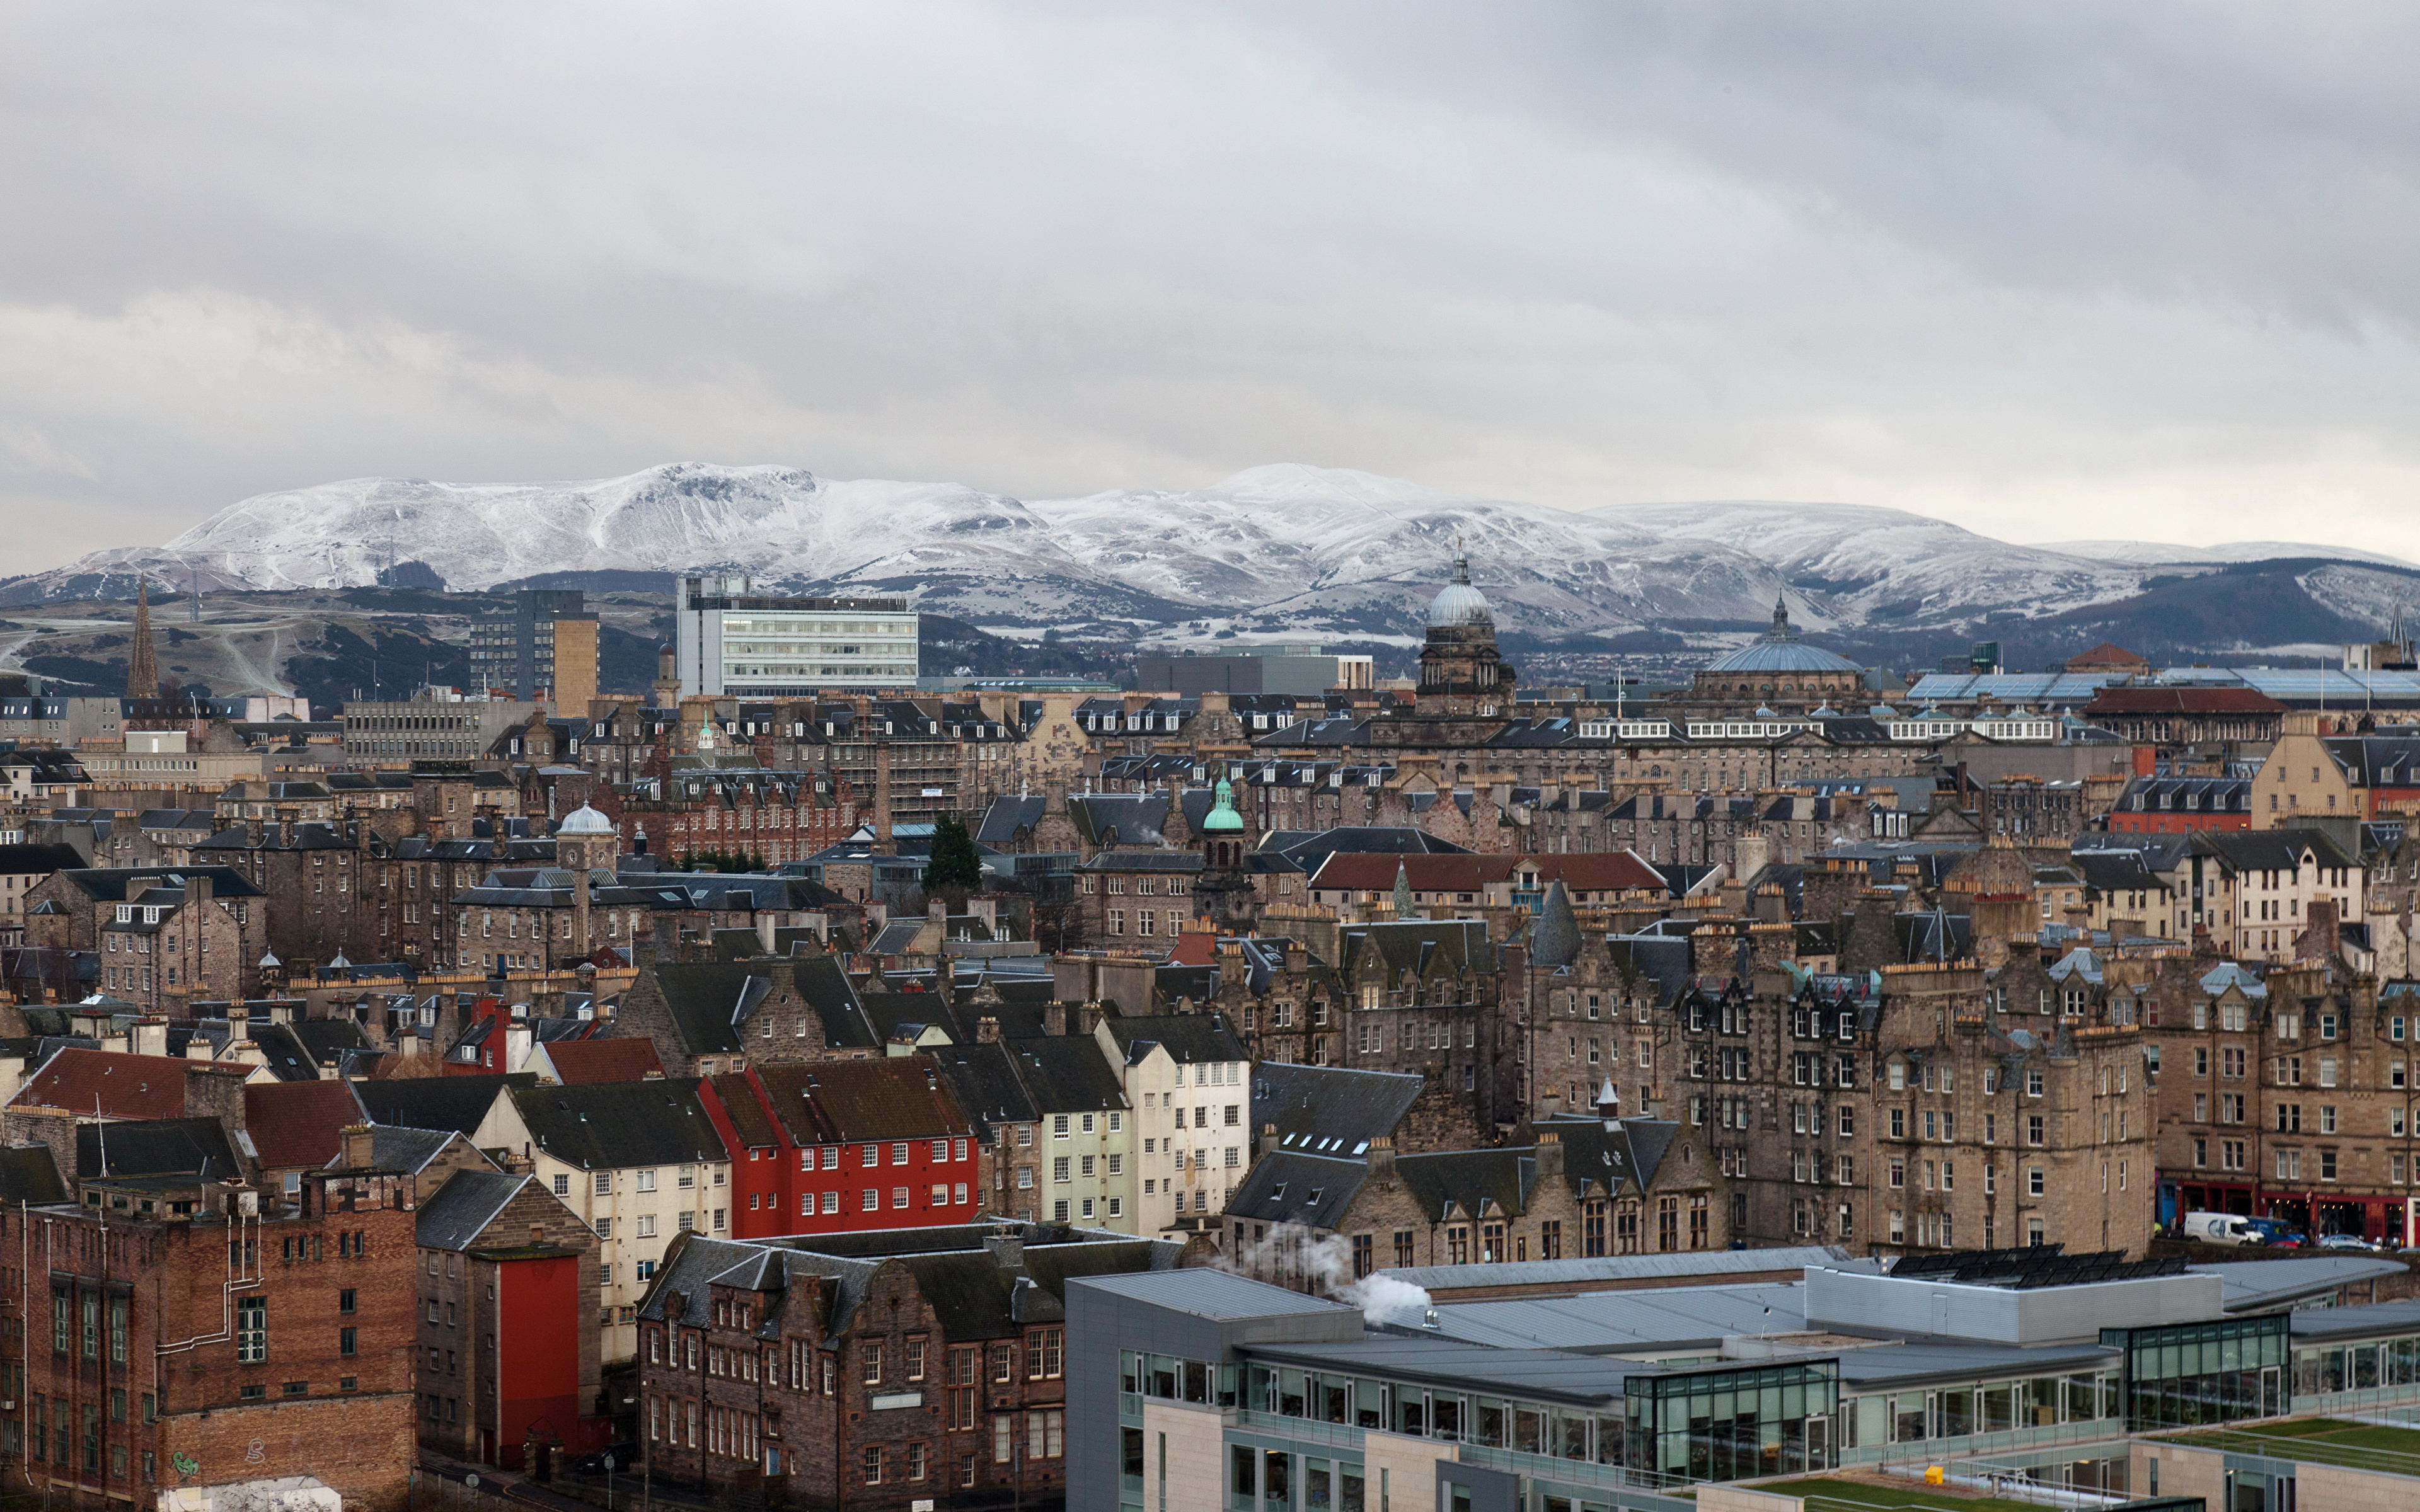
<point x="1191" y="1086"/>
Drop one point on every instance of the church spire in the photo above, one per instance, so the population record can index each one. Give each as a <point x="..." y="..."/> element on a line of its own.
<point x="142" y="671"/>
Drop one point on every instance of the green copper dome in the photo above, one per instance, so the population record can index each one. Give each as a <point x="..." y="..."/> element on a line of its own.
<point x="1223" y="817"/>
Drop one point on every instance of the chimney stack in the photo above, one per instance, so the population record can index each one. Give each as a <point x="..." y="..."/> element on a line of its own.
<point x="353" y="1142"/>
<point x="1382" y="1157"/>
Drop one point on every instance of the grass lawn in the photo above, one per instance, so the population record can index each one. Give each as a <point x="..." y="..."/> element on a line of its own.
<point x="2321" y="1441"/>
<point x="1824" y="1493"/>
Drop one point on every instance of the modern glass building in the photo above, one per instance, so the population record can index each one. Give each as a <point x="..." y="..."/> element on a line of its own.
<point x="731" y="640"/>
<point x="1626" y="1399"/>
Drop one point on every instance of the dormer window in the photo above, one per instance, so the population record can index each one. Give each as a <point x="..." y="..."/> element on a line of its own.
<point x="125" y="914"/>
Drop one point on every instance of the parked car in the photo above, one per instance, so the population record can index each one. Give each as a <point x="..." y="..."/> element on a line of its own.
<point x="2344" y="1242"/>
<point x="625" y="1456"/>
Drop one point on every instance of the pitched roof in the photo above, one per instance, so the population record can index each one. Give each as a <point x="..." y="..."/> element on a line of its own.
<point x="1068" y="1074"/>
<point x="985" y="1077"/>
<point x="394" y="1148"/>
<point x="581" y="1062"/>
<point x="832" y="1102"/>
<point x="1329" y="1110"/>
<point x="156" y="1147"/>
<point x="462" y="1209"/>
<point x="2182" y="700"/>
<point x="1187" y="1037"/>
<point x="749" y="1120"/>
<point x="296" y="1123"/>
<point x="29" y="1174"/>
<point x="118" y="1086"/>
<point x="457" y="1103"/>
<point x="1364" y="871"/>
<point x="620" y="1124"/>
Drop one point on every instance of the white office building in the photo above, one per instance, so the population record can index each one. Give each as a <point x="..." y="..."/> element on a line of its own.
<point x="733" y="642"/>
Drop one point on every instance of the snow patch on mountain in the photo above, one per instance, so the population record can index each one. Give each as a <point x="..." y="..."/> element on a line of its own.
<point x="1286" y="548"/>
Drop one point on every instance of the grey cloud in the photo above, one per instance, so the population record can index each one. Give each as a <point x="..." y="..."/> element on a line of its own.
<point x="2048" y="270"/>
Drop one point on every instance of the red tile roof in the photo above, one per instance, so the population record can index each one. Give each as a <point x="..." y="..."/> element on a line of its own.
<point x="2182" y="701"/>
<point x="580" y="1062"/>
<point x="295" y="1123"/>
<point x="843" y="1101"/>
<point x="2104" y="655"/>
<point x="121" y="1086"/>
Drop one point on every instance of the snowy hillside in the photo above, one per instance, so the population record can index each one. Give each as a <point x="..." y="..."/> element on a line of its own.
<point x="1271" y="549"/>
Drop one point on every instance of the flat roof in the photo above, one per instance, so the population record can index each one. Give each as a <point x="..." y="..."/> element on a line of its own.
<point x="2248" y="1286"/>
<point x="1218" y="1295"/>
<point x="1626" y="1267"/>
<point x="1581" y="1379"/>
<point x="1612" y="1323"/>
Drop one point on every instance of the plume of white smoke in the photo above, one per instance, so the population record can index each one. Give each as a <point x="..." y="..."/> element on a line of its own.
<point x="1323" y="1265"/>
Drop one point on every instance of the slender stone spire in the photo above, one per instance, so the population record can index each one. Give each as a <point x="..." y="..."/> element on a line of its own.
<point x="142" y="671"/>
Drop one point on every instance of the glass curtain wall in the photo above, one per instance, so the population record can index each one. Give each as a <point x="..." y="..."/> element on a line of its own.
<point x="2181" y="1374"/>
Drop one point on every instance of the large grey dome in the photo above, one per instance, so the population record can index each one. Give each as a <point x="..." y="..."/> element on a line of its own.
<point x="1780" y="650"/>
<point x="1459" y="603"/>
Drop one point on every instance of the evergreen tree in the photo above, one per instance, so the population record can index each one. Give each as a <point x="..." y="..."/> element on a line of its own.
<point x="953" y="869"/>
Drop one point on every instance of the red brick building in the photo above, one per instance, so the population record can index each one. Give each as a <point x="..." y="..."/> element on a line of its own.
<point x="836" y="1147"/>
<point x="222" y="1349"/>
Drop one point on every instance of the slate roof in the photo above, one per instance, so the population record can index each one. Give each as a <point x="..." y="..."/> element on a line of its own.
<point x="457" y="1103"/>
<point x="296" y="1123"/>
<point x="1310" y="849"/>
<point x="616" y="1125"/>
<point x="327" y="1040"/>
<point x="1009" y="820"/>
<point x="1068" y="1073"/>
<point x="108" y="883"/>
<point x="709" y="1000"/>
<point x="825" y="985"/>
<point x="1119" y="818"/>
<point x="1290" y="1186"/>
<point x="1329" y="1110"/>
<point x="989" y="1088"/>
<point x="30" y="1175"/>
<point x="394" y="1148"/>
<point x="462" y="1209"/>
<point x="157" y="1146"/>
<point x="1189" y="1038"/>
<point x="38" y="859"/>
<point x="2258" y="850"/>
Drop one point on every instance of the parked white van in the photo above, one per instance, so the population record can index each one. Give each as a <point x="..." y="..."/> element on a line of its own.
<point x="2220" y="1228"/>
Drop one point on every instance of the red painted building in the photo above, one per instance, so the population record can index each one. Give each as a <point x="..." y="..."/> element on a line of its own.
<point x="510" y="1358"/>
<point x="842" y="1145"/>
<point x="2181" y="804"/>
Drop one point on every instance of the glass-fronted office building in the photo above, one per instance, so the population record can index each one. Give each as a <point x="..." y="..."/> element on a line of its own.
<point x="1308" y="1409"/>
<point x="730" y="640"/>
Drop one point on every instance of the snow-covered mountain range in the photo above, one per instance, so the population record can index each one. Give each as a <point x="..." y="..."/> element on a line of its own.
<point x="1282" y="548"/>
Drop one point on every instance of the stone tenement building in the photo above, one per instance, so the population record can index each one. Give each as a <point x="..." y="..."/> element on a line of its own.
<point x="1584" y="1187"/>
<point x="218" y="1349"/>
<point x="1425" y="996"/>
<point x="2288" y="1097"/>
<point x="874" y="1371"/>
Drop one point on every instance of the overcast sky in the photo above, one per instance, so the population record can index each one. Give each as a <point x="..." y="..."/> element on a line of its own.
<point x="2049" y="271"/>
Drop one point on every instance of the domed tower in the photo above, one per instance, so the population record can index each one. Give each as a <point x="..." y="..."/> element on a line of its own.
<point x="1460" y="671"/>
<point x="1224" y="894"/>
<point x="585" y="841"/>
